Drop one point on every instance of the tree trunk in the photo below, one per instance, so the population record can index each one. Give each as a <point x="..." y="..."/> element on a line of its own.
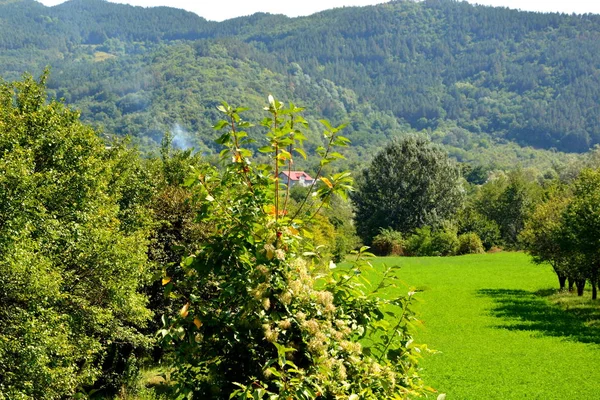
<point x="571" y="284"/>
<point x="594" y="281"/>
<point x="580" y="286"/>
<point x="561" y="281"/>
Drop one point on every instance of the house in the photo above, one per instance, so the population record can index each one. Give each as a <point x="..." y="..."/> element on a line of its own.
<point x="293" y="178"/>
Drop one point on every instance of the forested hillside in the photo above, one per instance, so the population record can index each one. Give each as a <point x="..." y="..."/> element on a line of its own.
<point x="472" y="77"/>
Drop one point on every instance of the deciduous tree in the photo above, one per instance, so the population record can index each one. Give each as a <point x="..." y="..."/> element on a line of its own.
<point x="252" y="321"/>
<point x="582" y="224"/>
<point x="543" y="237"/>
<point x="72" y="250"/>
<point x="410" y="184"/>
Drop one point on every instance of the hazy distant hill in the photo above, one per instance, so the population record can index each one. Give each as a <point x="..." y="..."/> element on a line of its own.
<point x="470" y="75"/>
<point x="29" y="23"/>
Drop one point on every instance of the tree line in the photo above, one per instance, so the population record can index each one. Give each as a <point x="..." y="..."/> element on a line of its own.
<point x="563" y="231"/>
<point x="415" y="200"/>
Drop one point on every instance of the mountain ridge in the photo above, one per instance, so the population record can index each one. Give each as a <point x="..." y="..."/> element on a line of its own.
<point x="478" y="72"/>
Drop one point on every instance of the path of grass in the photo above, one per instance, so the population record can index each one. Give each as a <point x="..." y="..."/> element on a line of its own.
<point x="500" y="331"/>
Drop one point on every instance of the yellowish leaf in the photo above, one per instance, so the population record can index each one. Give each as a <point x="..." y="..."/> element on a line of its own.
<point x="270" y="254"/>
<point x="197" y="322"/>
<point x="166" y="280"/>
<point x="184" y="310"/>
<point x="327" y="182"/>
<point x="270" y="209"/>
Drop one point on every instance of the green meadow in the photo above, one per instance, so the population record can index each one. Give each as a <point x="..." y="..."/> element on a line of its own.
<point x="501" y="329"/>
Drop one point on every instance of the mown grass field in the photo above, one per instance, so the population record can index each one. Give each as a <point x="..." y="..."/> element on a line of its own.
<point x="501" y="330"/>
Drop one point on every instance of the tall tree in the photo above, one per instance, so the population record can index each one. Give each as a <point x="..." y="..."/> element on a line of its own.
<point x="409" y="184"/>
<point x="582" y="224"/>
<point x="72" y="250"/>
<point x="542" y="236"/>
<point x="508" y="200"/>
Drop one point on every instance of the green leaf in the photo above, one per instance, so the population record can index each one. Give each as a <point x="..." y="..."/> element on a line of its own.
<point x="190" y="180"/>
<point x="327" y="124"/>
<point x="168" y="289"/>
<point x="224" y="138"/>
<point x="188" y="261"/>
<point x="220" y="125"/>
<point x="301" y="152"/>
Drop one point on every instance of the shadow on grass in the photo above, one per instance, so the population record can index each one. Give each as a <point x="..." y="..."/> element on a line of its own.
<point x="532" y="311"/>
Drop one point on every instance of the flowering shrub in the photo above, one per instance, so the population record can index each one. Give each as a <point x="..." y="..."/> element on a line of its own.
<point x="260" y="315"/>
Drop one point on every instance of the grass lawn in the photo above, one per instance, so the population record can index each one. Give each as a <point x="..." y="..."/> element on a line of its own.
<point x="501" y="329"/>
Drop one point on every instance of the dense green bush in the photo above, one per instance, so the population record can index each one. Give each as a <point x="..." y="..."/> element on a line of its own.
<point x="507" y="200"/>
<point x="340" y="215"/>
<point x="444" y="241"/>
<point x="469" y="243"/>
<point x="470" y="220"/>
<point x="426" y="242"/>
<point x="336" y="232"/>
<point x="489" y="233"/>
<point x="345" y="242"/>
<point x="388" y="242"/>
<point x="252" y="322"/>
<point x="73" y="242"/>
<point x="419" y="243"/>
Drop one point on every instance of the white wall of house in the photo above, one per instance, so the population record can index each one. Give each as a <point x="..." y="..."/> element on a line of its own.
<point x="283" y="178"/>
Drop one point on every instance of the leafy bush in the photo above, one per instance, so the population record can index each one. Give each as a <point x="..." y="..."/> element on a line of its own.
<point x="444" y="242"/>
<point x="252" y="322"/>
<point x="388" y="242"/>
<point x="508" y="200"/>
<point x="340" y="215"/>
<point x="489" y="233"/>
<point x="334" y="230"/>
<point x="425" y="242"/>
<point x="346" y="241"/>
<point x="470" y="220"/>
<point x="73" y="243"/>
<point x="469" y="243"/>
<point x="420" y="243"/>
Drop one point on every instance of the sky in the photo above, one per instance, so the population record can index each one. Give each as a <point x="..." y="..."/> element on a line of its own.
<point x="225" y="9"/>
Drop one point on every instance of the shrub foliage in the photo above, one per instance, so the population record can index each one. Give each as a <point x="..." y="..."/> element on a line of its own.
<point x="469" y="243"/>
<point x="259" y="315"/>
<point x="387" y="243"/>
<point x="72" y="251"/>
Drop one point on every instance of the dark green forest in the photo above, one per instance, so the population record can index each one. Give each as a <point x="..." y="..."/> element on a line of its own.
<point x="473" y="78"/>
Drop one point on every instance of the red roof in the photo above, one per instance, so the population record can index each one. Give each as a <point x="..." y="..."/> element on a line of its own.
<point x="296" y="175"/>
